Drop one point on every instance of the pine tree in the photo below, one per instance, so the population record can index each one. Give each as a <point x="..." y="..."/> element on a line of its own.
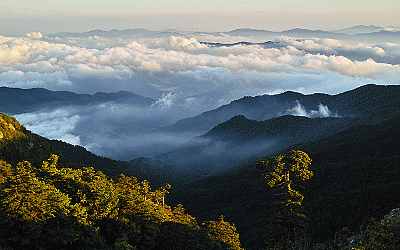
<point x="288" y="223"/>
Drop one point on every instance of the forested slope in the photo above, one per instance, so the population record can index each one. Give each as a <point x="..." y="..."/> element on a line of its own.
<point x="44" y="206"/>
<point x="356" y="177"/>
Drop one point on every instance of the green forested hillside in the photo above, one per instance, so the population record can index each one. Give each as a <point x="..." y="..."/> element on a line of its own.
<point x="18" y="144"/>
<point x="356" y="177"/>
<point x="43" y="206"/>
<point x="51" y="202"/>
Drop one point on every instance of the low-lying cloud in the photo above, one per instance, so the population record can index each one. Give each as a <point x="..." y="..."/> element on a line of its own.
<point x="58" y="124"/>
<point x="299" y="110"/>
<point x="165" y="101"/>
<point x="116" y="130"/>
<point x="34" y="35"/>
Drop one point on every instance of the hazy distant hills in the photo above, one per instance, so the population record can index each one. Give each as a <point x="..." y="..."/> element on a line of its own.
<point x="245" y="127"/>
<point x="155" y="171"/>
<point x="359" y="29"/>
<point x="16" y="100"/>
<point x="352" y="31"/>
<point x="239" y="137"/>
<point x="113" y="32"/>
<point x="295" y="128"/>
<point x="267" y="44"/>
<point x="256" y="108"/>
<point x="367" y="30"/>
<point x="369" y="102"/>
<point x="144" y="168"/>
<point x="275" y="124"/>
<point x="383" y="33"/>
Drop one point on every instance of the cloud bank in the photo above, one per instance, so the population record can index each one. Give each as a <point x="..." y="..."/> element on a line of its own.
<point x="57" y="124"/>
<point x="185" y="76"/>
<point x="183" y="65"/>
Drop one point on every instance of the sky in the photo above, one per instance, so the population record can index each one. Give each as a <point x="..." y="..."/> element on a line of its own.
<point x="50" y="16"/>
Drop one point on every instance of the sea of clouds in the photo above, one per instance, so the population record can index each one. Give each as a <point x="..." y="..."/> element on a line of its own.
<point x="184" y="76"/>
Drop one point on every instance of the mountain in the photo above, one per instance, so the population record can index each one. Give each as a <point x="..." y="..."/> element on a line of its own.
<point x="240" y="137"/>
<point x="277" y="124"/>
<point x="267" y="44"/>
<point x="18" y="144"/>
<point x="359" y="29"/>
<point x="298" y="31"/>
<point x="245" y="32"/>
<point x="362" y="102"/>
<point x="355" y="174"/>
<point x="155" y="171"/>
<point x="114" y="32"/>
<point x="383" y="33"/>
<point x="292" y="32"/>
<point x="239" y="128"/>
<point x="16" y="100"/>
<point x="43" y="200"/>
<point x="248" y="32"/>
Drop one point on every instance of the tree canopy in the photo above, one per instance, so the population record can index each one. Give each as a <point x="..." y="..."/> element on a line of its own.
<point x="288" y="223"/>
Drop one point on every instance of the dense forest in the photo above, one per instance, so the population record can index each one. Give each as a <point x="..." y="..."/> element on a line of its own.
<point x="356" y="181"/>
<point x="44" y="206"/>
<point x="54" y="196"/>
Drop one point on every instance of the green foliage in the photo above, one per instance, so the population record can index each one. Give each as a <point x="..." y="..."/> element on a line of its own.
<point x="384" y="234"/>
<point x="277" y="169"/>
<point x="10" y="129"/>
<point x="43" y="206"/>
<point x="356" y="178"/>
<point x="288" y="223"/>
<point x="24" y="197"/>
<point x="181" y="236"/>
<point x="52" y="208"/>
<point x="223" y="231"/>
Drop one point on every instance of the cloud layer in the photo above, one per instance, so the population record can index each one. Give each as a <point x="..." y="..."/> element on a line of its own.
<point x="185" y="76"/>
<point x="184" y="65"/>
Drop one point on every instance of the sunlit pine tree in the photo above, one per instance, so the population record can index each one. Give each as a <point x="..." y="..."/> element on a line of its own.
<point x="288" y="223"/>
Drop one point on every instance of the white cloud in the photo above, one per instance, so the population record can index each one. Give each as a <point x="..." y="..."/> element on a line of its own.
<point x="57" y="124"/>
<point x="179" y="43"/>
<point x="165" y="101"/>
<point x="299" y="110"/>
<point x="183" y="65"/>
<point x="34" y="35"/>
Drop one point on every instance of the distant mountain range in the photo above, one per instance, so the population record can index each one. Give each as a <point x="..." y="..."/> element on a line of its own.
<point x="359" y="29"/>
<point x="368" y="102"/>
<point x="275" y="125"/>
<point x="352" y="31"/>
<point x="245" y="127"/>
<point x="362" y="29"/>
<point x="16" y="100"/>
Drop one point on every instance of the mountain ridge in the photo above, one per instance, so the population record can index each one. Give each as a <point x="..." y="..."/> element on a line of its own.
<point x="27" y="145"/>
<point x="15" y="100"/>
<point x="270" y="106"/>
<point x="355" y="174"/>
